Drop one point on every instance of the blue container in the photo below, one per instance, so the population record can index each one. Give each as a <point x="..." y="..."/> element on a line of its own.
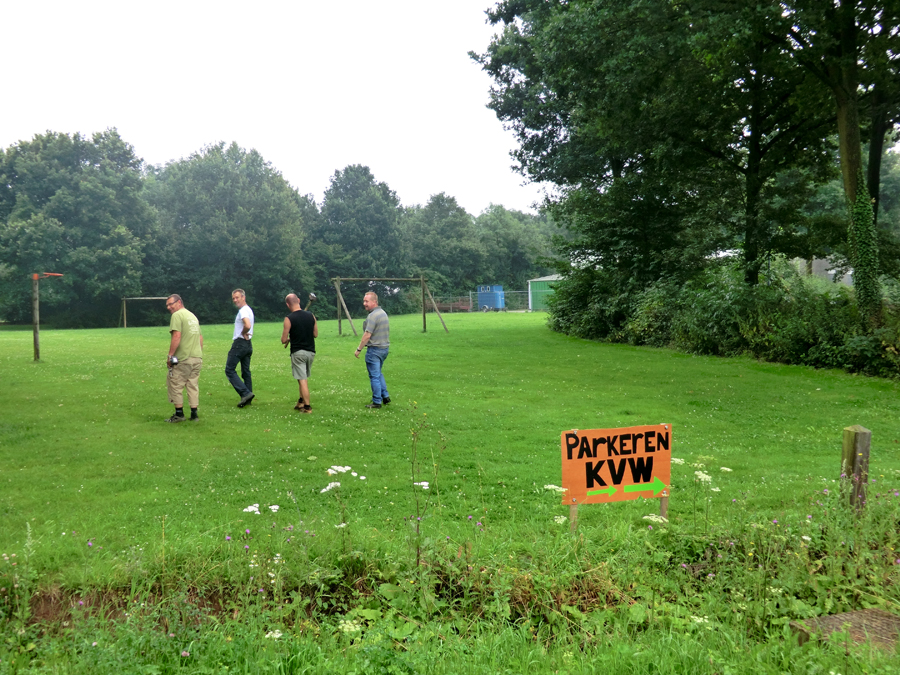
<point x="491" y="298"/>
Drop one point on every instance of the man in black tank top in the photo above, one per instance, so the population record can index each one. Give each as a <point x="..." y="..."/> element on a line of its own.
<point x="300" y="331"/>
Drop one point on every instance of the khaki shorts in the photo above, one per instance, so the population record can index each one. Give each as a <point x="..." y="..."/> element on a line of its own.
<point x="301" y="364"/>
<point x="185" y="375"/>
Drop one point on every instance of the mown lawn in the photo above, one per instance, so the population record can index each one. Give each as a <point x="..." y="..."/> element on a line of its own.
<point x="108" y="502"/>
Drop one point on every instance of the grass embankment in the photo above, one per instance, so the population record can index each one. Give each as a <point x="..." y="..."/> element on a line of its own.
<point x="112" y="513"/>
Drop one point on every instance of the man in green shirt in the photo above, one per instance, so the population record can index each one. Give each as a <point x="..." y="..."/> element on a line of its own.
<point x="185" y="359"/>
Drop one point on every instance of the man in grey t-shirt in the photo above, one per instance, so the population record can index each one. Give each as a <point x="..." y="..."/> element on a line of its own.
<point x="376" y="341"/>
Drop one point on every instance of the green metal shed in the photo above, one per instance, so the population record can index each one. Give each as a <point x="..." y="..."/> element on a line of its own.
<point x="538" y="292"/>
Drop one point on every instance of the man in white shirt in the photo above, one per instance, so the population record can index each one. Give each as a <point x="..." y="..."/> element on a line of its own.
<point x="241" y="349"/>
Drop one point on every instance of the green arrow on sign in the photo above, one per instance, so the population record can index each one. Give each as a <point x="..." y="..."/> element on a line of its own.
<point x="608" y="491"/>
<point x="656" y="487"/>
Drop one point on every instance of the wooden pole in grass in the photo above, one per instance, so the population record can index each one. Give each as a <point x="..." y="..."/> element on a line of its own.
<point x="855" y="463"/>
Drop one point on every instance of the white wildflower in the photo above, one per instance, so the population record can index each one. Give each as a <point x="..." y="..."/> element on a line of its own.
<point x="341" y="525"/>
<point x="725" y="469"/>
<point x="560" y="520"/>
<point x="677" y="460"/>
<point x="362" y="477"/>
<point x="805" y="538"/>
<point x="715" y="490"/>
<point x="330" y="486"/>
<point x="423" y="484"/>
<point x="338" y="469"/>
<point x="354" y="474"/>
<point x="555" y="488"/>
<point x="656" y="518"/>
<point x="274" y="634"/>
<point x="346" y="626"/>
<point x="274" y="508"/>
<point x="703" y="477"/>
<point x="253" y="508"/>
<point x="700" y="619"/>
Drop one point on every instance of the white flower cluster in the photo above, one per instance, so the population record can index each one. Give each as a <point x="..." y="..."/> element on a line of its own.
<point x="700" y="619"/>
<point x="555" y="488"/>
<point x="335" y="470"/>
<point x="725" y="469"/>
<point x="560" y="520"/>
<point x="274" y="634"/>
<point x="423" y="484"/>
<point x="254" y="508"/>
<point x="341" y="525"/>
<point x="703" y="477"/>
<point x="330" y="486"/>
<point x="656" y="518"/>
<point x="346" y="626"/>
<point x="677" y="460"/>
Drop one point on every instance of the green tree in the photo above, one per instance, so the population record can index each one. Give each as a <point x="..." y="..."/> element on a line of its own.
<point x="518" y="246"/>
<point x="227" y="220"/>
<point x="684" y="100"/>
<point x="360" y="226"/>
<point x="72" y="205"/>
<point x="443" y="245"/>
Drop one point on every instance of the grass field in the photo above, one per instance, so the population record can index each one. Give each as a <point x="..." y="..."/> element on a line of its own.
<point x="104" y="504"/>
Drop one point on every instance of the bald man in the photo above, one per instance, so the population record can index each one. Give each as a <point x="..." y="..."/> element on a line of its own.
<point x="300" y="331"/>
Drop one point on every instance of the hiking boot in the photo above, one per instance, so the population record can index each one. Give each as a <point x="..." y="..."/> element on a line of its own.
<point x="385" y="401"/>
<point x="176" y="418"/>
<point x="246" y="398"/>
<point x="373" y="405"/>
<point x="195" y="418"/>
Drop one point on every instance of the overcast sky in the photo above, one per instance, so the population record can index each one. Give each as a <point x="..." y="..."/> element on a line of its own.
<point x="313" y="86"/>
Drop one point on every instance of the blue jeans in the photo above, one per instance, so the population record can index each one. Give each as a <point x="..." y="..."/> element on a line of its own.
<point x="240" y="352"/>
<point x="375" y="357"/>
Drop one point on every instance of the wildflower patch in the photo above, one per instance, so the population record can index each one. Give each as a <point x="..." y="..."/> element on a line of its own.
<point x="612" y="465"/>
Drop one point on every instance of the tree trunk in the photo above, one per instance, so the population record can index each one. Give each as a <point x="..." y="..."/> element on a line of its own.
<point x="880" y="127"/>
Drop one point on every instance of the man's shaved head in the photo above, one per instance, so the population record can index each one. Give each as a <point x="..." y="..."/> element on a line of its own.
<point x="292" y="300"/>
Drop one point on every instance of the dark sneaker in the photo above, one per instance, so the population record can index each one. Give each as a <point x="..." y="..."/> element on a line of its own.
<point x="246" y="399"/>
<point x="176" y="418"/>
<point x="373" y="405"/>
<point x="195" y="418"/>
<point x="385" y="401"/>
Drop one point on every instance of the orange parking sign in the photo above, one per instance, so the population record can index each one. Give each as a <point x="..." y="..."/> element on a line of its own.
<point x="614" y="465"/>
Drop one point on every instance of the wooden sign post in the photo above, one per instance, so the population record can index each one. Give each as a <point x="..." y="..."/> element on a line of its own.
<point x="855" y="462"/>
<point x="614" y="465"/>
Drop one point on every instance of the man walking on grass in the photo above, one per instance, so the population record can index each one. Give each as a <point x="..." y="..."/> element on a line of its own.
<point x="376" y="338"/>
<point x="185" y="359"/>
<point x="241" y="349"/>
<point x="300" y="331"/>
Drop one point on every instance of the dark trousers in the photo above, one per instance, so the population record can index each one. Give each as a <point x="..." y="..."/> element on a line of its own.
<point x="240" y="352"/>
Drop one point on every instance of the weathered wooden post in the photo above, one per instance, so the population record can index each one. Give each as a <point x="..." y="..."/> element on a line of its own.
<point x="855" y="462"/>
<point x="36" y="309"/>
<point x="337" y="287"/>
<point x="36" y="316"/>
<point x="424" y="307"/>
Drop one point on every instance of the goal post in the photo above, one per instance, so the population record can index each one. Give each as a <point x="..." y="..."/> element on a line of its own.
<point x="123" y="316"/>
<point x="417" y="280"/>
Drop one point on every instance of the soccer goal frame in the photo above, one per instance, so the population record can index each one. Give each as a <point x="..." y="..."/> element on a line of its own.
<point x="123" y="315"/>
<point x="418" y="280"/>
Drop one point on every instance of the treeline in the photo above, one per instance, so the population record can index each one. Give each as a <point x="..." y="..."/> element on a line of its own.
<point x="684" y="137"/>
<point x="224" y="218"/>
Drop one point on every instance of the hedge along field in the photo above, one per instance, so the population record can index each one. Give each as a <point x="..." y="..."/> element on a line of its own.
<point x="100" y="496"/>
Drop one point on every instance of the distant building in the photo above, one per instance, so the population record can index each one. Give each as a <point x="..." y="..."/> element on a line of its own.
<point x="538" y="292"/>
